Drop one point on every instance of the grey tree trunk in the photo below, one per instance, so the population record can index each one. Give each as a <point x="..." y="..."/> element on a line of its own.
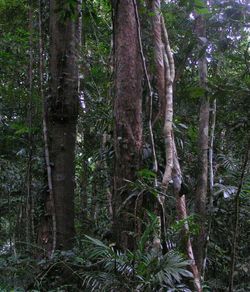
<point x="202" y="184"/>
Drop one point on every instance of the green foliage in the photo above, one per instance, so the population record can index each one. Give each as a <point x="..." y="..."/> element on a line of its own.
<point x="196" y="92"/>
<point x="141" y="270"/>
<point x="192" y="224"/>
<point x="223" y="213"/>
<point x="146" y="174"/>
<point x="97" y="264"/>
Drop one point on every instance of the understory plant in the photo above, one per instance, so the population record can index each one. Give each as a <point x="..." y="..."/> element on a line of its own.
<point x="100" y="266"/>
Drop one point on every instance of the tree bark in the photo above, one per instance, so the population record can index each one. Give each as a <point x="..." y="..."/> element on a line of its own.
<point x="158" y="56"/>
<point x="30" y="199"/>
<point x="236" y="227"/>
<point x="201" y="191"/>
<point x="46" y="235"/>
<point x="165" y="74"/>
<point x="62" y="111"/>
<point x="211" y="184"/>
<point x="168" y="112"/>
<point x="128" y="118"/>
<point x="182" y="215"/>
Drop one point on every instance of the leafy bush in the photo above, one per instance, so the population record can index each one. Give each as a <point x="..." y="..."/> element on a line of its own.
<point x="98" y="266"/>
<point x="133" y="271"/>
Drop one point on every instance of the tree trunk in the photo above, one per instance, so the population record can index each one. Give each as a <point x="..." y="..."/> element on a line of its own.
<point x="236" y="227"/>
<point x="61" y="114"/>
<point x="158" y="55"/>
<point x="30" y="199"/>
<point x="211" y="185"/>
<point x="128" y="118"/>
<point x="182" y="215"/>
<point x="165" y="75"/>
<point x="201" y="191"/>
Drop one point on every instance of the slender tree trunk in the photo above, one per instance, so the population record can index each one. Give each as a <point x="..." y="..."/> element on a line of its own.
<point x="105" y="139"/>
<point x="159" y="55"/>
<point x="84" y="190"/>
<point x="47" y="227"/>
<point x="211" y="183"/>
<point x="201" y="191"/>
<point x="128" y="118"/>
<point x="168" y="119"/>
<point x="30" y="199"/>
<point x="237" y="218"/>
<point x="182" y="215"/>
<point x="165" y="74"/>
<point x="62" y="110"/>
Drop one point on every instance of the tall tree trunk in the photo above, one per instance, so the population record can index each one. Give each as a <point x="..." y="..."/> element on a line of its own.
<point x="158" y="55"/>
<point x="201" y="191"/>
<point x="128" y="117"/>
<point x="62" y="111"/>
<point x="29" y="199"/>
<point x="211" y="184"/>
<point x="165" y="75"/>
<point x="182" y="215"/>
<point x="236" y="227"/>
<point x="168" y="112"/>
<point x="46" y="235"/>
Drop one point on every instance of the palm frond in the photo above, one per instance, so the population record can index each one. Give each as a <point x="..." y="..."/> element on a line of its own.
<point x="139" y="270"/>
